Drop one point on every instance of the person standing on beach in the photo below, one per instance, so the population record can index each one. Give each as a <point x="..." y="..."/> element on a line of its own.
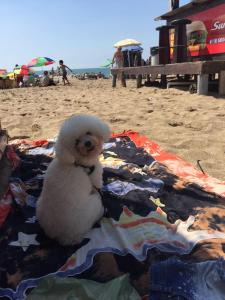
<point x="18" y="77"/>
<point x="118" y="58"/>
<point x="64" y="72"/>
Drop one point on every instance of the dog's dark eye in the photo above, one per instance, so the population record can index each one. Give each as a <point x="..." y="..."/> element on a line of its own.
<point x="77" y="142"/>
<point x="88" y="133"/>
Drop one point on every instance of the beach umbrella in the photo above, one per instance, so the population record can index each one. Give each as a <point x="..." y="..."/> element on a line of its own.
<point x="10" y="75"/>
<point x="22" y="70"/>
<point x="127" y="42"/>
<point x="3" y="71"/>
<point x="40" y="62"/>
<point x="107" y="63"/>
<point x="3" y="75"/>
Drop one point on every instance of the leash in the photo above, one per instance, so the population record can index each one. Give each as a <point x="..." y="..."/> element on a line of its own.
<point x="200" y="167"/>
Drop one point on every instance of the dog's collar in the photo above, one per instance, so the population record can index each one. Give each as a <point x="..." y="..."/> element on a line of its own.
<point x="88" y="170"/>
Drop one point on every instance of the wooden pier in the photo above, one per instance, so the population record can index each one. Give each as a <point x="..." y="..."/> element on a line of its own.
<point x="200" y="68"/>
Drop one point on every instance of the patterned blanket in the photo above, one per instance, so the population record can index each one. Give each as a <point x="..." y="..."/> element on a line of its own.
<point x="157" y="206"/>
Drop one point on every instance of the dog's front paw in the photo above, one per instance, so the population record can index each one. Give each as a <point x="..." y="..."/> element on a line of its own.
<point x="97" y="182"/>
<point x="99" y="185"/>
<point x="70" y="241"/>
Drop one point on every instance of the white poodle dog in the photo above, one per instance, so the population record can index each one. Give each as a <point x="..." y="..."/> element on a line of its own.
<point x="70" y="203"/>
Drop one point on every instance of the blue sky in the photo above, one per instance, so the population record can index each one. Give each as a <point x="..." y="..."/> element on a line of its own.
<point x="81" y="32"/>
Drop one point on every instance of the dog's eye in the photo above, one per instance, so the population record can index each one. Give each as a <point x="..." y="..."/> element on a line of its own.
<point x="88" y="133"/>
<point x="77" y="142"/>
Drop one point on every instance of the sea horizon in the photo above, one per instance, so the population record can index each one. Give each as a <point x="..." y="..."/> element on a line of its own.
<point x="78" y="71"/>
<point x="105" y="71"/>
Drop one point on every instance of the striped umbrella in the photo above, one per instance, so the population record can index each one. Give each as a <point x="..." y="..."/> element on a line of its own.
<point x="40" y="62"/>
<point x="3" y="71"/>
<point x="22" y="70"/>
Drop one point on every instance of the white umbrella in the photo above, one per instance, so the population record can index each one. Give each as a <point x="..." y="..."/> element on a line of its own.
<point x="126" y="42"/>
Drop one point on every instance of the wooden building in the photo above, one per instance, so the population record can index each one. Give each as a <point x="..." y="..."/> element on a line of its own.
<point x="206" y="33"/>
<point x="191" y="43"/>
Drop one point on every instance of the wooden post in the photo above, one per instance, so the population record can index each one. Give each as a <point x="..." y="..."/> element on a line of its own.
<point x="154" y="77"/>
<point x="114" y="80"/>
<point x="139" y="81"/>
<point x="123" y="80"/>
<point x="203" y="84"/>
<point x="164" y="44"/>
<point x="163" y="81"/>
<point x="147" y="78"/>
<point x="180" y="40"/>
<point x="222" y="83"/>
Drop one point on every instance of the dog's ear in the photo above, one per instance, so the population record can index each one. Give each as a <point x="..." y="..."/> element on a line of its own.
<point x="63" y="154"/>
<point x="106" y="132"/>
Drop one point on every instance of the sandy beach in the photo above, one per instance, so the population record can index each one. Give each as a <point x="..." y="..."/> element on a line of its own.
<point x="191" y="126"/>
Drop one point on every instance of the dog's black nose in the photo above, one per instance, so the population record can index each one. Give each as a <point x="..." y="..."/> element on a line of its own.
<point x="87" y="144"/>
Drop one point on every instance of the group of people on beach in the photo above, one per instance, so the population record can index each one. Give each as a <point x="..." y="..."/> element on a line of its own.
<point x="45" y="80"/>
<point x="48" y="77"/>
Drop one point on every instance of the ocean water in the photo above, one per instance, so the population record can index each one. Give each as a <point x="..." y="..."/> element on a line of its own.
<point x="105" y="71"/>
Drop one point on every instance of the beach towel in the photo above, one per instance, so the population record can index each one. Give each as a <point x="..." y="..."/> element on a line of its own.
<point x="156" y="203"/>
<point x="8" y="162"/>
<point x="53" y="288"/>
<point x="182" y="280"/>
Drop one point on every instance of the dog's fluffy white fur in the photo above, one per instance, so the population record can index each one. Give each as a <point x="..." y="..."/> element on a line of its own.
<point x="70" y="204"/>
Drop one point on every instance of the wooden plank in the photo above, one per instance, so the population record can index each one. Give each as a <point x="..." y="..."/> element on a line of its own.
<point x="212" y="67"/>
<point x="183" y="68"/>
<point x="189" y="9"/>
<point x="169" y="69"/>
<point x="191" y="68"/>
<point x="159" y="69"/>
<point x="222" y="83"/>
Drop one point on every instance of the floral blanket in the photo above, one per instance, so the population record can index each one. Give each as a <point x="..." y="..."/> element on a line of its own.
<point x="157" y="206"/>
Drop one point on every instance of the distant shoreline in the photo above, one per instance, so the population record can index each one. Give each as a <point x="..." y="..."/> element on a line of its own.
<point x="105" y="71"/>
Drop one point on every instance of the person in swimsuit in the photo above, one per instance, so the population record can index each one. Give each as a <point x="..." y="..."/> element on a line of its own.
<point x="64" y="72"/>
<point x="118" y="58"/>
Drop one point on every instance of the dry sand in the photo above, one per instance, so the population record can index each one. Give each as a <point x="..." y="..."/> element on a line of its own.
<point x="189" y="125"/>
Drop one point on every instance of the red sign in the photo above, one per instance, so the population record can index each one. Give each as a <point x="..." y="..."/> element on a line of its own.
<point x="206" y="34"/>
